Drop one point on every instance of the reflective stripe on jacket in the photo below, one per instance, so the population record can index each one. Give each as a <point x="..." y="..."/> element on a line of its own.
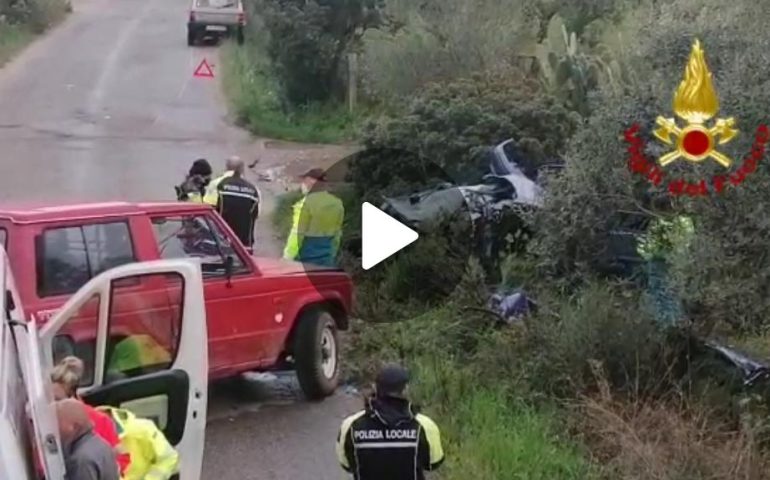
<point x="316" y="229"/>
<point x="212" y="190"/>
<point x="663" y="237"/>
<point x="152" y="456"/>
<point x="387" y="441"/>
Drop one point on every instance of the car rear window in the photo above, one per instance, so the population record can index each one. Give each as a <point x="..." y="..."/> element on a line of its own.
<point x="217" y="3"/>
<point x="68" y="257"/>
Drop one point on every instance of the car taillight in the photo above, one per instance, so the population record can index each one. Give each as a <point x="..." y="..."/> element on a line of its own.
<point x="192" y="16"/>
<point x="241" y="19"/>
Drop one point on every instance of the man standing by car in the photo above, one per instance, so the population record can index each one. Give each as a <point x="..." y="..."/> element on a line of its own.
<point x="238" y="203"/>
<point x="87" y="456"/>
<point x="316" y="224"/>
<point x="388" y="439"/>
<point x="212" y="193"/>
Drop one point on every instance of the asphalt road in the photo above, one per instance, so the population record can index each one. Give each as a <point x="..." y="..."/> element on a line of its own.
<point x="105" y="108"/>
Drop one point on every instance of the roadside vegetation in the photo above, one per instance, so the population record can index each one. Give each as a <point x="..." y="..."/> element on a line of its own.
<point x="22" y="20"/>
<point x="588" y="386"/>
<point x="286" y="82"/>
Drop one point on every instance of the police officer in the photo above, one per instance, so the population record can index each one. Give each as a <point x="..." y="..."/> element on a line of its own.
<point x="238" y="203"/>
<point x="316" y="224"/>
<point x="212" y="194"/>
<point x="389" y="439"/>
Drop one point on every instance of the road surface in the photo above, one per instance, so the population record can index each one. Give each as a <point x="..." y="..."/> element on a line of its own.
<point x="105" y="108"/>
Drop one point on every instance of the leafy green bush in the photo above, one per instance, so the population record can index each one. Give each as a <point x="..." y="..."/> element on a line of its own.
<point x="597" y="326"/>
<point x="441" y="41"/>
<point x="451" y="124"/>
<point x="256" y="101"/>
<point x="726" y="272"/>
<point x="37" y="15"/>
<point x="309" y="41"/>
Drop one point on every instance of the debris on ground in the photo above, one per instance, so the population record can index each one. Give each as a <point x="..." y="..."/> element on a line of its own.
<point x="271" y="174"/>
<point x="751" y="370"/>
<point x="511" y="306"/>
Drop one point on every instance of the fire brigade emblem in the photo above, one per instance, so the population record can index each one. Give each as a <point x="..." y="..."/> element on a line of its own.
<point x="695" y="102"/>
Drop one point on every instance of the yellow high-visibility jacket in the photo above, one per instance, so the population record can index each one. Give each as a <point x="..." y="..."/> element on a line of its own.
<point x="137" y="351"/>
<point x="212" y="193"/>
<point x="152" y="456"/>
<point x="316" y="229"/>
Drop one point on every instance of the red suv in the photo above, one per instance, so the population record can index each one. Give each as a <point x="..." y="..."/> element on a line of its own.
<point x="262" y="314"/>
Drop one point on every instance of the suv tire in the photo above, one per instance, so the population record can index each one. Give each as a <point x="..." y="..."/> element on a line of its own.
<point x="316" y="354"/>
<point x="239" y="36"/>
<point x="190" y="37"/>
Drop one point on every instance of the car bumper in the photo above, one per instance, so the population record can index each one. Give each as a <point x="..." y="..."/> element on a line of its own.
<point x="213" y="28"/>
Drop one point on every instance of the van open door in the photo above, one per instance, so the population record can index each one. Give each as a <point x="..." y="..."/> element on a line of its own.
<point x="171" y="389"/>
<point x="15" y="430"/>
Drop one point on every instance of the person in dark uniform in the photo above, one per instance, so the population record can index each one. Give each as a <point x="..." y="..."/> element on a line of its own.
<point x="389" y="439"/>
<point x="194" y="186"/>
<point x="238" y="203"/>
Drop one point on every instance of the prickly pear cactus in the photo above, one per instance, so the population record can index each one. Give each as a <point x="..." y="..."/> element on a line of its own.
<point x="567" y="72"/>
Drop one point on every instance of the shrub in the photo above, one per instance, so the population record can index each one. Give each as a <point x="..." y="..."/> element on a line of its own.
<point x="441" y="41"/>
<point x="627" y="437"/>
<point x="257" y="101"/>
<point x="601" y="324"/>
<point x="573" y="227"/>
<point x="451" y="124"/>
<point x="38" y="15"/>
<point x="309" y="40"/>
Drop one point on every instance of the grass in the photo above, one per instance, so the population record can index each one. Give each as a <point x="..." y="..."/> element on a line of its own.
<point x="41" y="16"/>
<point x="488" y="429"/>
<point x="489" y="437"/>
<point x="254" y="97"/>
<point x="13" y="38"/>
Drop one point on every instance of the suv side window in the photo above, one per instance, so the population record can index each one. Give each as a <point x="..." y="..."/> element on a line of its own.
<point x="196" y="237"/>
<point x="68" y="257"/>
<point x="4" y="238"/>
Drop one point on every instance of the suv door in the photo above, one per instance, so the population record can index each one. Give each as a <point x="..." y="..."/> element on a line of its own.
<point x="238" y="305"/>
<point x="171" y="392"/>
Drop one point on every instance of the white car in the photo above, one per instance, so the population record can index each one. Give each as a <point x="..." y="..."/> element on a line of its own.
<point x="174" y="395"/>
<point x="215" y="18"/>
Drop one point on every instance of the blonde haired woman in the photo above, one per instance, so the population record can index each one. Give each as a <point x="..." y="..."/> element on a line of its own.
<point x="66" y="377"/>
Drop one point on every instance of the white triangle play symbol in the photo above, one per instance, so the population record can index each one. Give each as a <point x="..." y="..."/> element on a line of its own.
<point x="381" y="235"/>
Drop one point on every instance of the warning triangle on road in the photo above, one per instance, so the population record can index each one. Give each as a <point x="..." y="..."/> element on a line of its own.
<point x="381" y="235"/>
<point x="204" y="70"/>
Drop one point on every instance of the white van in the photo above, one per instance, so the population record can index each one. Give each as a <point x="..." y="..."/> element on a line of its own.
<point x="175" y="397"/>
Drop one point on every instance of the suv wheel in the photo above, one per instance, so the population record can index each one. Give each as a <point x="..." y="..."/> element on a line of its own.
<point x="239" y="35"/>
<point x="316" y="354"/>
<point x="190" y="37"/>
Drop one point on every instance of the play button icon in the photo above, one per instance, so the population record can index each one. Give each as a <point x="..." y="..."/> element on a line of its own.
<point x="381" y="235"/>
